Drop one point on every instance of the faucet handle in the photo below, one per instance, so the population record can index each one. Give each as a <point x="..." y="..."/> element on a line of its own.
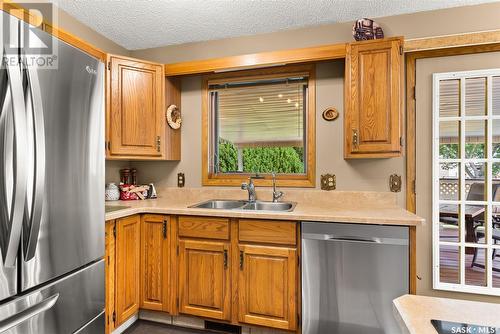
<point x="277" y="195"/>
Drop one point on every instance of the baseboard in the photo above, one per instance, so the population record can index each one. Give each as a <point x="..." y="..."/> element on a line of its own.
<point x="186" y="321"/>
<point x="129" y="322"/>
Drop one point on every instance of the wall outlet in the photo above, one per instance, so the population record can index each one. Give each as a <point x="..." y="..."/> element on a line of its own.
<point x="181" y="180"/>
<point x="328" y="182"/>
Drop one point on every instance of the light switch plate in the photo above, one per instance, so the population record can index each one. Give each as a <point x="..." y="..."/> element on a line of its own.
<point x="395" y="183"/>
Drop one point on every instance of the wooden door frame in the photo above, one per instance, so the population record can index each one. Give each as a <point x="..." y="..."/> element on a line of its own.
<point x="411" y="156"/>
<point x="410" y="65"/>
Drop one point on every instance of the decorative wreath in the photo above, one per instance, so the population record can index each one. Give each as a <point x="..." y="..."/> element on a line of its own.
<point x="330" y="114"/>
<point x="174" y="119"/>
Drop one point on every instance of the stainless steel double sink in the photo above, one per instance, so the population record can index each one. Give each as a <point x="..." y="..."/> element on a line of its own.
<point x="223" y="204"/>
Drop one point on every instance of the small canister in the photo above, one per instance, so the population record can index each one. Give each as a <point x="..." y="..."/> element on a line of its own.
<point x="112" y="192"/>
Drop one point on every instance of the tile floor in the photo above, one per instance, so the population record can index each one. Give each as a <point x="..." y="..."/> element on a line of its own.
<point x="148" y="327"/>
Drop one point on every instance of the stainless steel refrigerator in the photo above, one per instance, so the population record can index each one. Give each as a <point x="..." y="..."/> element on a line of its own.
<point x="51" y="191"/>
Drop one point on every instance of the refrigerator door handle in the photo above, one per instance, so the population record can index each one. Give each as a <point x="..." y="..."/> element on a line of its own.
<point x="10" y="235"/>
<point x="36" y="120"/>
<point x="28" y="313"/>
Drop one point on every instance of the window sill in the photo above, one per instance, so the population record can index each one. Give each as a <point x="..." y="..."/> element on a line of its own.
<point x="298" y="181"/>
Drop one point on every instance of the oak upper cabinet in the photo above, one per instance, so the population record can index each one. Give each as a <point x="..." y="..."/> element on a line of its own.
<point x="154" y="293"/>
<point x="373" y="101"/>
<point x="109" y="261"/>
<point x="267" y="286"/>
<point x="135" y="109"/>
<point x="127" y="267"/>
<point x="204" y="279"/>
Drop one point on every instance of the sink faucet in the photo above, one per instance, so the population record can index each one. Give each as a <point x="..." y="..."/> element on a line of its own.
<point x="276" y="194"/>
<point x="250" y="186"/>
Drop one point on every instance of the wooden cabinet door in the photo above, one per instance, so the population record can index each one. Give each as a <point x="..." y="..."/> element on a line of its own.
<point x="154" y="263"/>
<point x="267" y="286"/>
<point x="204" y="279"/>
<point x="109" y="261"/>
<point x="136" y="119"/>
<point x="127" y="267"/>
<point x="373" y="84"/>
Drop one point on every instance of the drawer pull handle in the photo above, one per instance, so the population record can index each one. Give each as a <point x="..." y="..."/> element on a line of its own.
<point x="225" y="258"/>
<point x="355" y="140"/>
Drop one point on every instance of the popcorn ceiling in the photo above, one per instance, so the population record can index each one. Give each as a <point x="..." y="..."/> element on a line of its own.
<point x="140" y="24"/>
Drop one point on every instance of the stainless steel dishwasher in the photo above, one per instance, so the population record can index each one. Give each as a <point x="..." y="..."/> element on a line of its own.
<point x="350" y="275"/>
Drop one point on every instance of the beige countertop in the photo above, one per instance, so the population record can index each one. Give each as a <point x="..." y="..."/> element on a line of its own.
<point x="415" y="313"/>
<point x="312" y="205"/>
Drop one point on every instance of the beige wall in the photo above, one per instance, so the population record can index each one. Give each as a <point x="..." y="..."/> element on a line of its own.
<point x="425" y="68"/>
<point x="351" y="174"/>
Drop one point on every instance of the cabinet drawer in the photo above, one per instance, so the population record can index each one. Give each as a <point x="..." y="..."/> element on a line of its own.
<point x="204" y="227"/>
<point x="268" y="231"/>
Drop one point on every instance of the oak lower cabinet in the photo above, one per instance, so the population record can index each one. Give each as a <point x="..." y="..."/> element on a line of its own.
<point x="204" y="279"/>
<point x="267" y="286"/>
<point x="239" y="271"/>
<point x="109" y="272"/>
<point x="373" y="99"/>
<point x="155" y="277"/>
<point x="128" y="232"/>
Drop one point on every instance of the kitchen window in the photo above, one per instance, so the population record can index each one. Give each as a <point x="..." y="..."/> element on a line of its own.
<point x="257" y="122"/>
<point x="466" y="181"/>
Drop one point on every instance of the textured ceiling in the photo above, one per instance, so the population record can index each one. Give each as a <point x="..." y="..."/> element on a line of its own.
<point x="140" y="24"/>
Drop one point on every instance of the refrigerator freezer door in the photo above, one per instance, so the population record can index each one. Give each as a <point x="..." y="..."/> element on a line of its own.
<point x="64" y="217"/>
<point x="62" y="307"/>
<point x="96" y="325"/>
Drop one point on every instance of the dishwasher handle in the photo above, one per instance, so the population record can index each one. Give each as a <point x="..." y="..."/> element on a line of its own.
<point x="355" y="239"/>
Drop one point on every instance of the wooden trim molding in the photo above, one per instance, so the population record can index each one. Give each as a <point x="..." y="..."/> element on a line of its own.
<point x="209" y="178"/>
<point x="22" y="13"/>
<point x="410" y="133"/>
<point x="75" y="41"/>
<point x="413" y="259"/>
<point x="255" y="60"/>
<point x="18" y="11"/>
<point x="451" y="41"/>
